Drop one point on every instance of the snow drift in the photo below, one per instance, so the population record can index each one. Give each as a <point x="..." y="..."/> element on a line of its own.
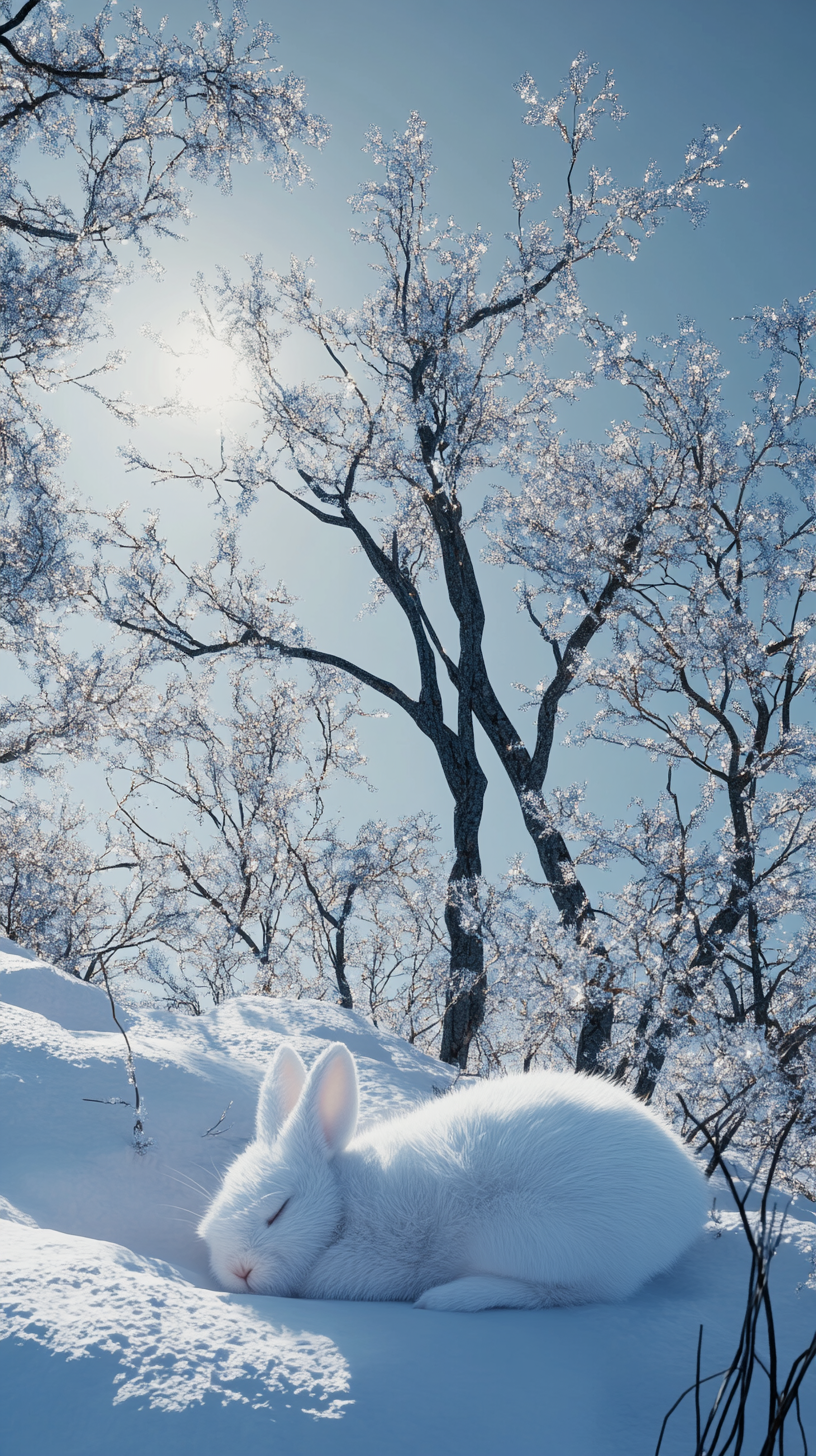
<point x="113" y="1333"/>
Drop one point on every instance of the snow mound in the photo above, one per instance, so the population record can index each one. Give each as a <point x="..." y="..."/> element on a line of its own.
<point x="113" y="1336"/>
<point x="32" y="985"/>
<point x="175" y="1344"/>
<point x="66" y="1140"/>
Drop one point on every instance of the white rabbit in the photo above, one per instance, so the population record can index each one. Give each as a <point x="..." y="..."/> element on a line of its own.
<point x="545" y="1189"/>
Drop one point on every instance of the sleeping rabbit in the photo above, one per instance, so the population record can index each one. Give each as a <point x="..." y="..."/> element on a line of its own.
<point x="523" y="1192"/>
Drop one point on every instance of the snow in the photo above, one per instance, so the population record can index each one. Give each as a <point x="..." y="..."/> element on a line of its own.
<point x="114" y="1335"/>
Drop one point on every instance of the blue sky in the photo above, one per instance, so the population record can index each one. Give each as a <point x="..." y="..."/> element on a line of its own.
<point x="727" y="62"/>
<point x="733" y="63"/>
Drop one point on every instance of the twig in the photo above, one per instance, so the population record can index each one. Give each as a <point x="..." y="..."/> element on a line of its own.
<point x="695" y="1387"/>
<point x="140" y="1141"/>
<point x="712" y="1437"/>
<point x="216" y="1130"/>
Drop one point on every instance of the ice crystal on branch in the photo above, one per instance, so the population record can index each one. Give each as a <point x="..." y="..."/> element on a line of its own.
<point x="138" y="111"/>
<point x="434" y="380"/>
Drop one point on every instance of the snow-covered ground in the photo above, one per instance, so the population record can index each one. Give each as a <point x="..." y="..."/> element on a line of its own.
<point x="115" y="1337"/>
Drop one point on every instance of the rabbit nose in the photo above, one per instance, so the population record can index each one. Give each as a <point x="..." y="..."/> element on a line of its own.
<point x="243" y="1271"/>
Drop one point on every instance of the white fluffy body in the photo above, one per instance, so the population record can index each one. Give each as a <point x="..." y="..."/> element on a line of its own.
<point x="524" y="1192"/>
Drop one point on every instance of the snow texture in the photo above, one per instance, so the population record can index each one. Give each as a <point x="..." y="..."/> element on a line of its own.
<point x="114" y="1335"/>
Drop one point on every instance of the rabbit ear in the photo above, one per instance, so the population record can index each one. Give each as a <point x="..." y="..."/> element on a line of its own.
<point x="280" y="1091"/>
<point x="330" y="1101"/>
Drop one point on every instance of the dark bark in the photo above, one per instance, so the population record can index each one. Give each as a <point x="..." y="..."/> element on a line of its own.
<point x="596" y="1033"/>
<point x="465" y="997"/>
<point x="338" y="959"/>
<point x="527" y="771"/>
<point x="652" y="1064"/>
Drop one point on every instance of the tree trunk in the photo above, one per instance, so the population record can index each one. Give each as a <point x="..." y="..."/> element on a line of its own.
<point x="465" y="994"/>
<point x="652" y="1064"/>
<point x="576" y="913"/>
<point x="338" y="958"/>
<point x="596" y="1034"/>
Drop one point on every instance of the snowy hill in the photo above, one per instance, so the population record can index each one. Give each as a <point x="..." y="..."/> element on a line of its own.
<point x="114" y="1336"/>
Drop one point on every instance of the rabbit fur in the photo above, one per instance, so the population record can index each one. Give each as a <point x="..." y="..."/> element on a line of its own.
<point x="549" y="1188"/>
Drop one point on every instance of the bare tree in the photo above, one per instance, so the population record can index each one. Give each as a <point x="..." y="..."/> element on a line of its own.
<point x="137" y="112"/>
<point x="234" y="811"/>
<point x="83" y="906"/>
<point x="420" y="399"/>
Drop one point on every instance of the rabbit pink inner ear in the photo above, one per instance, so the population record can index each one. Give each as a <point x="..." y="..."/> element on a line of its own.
<point x="336" y="1097"/>
<point x="280" y="1091"/>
